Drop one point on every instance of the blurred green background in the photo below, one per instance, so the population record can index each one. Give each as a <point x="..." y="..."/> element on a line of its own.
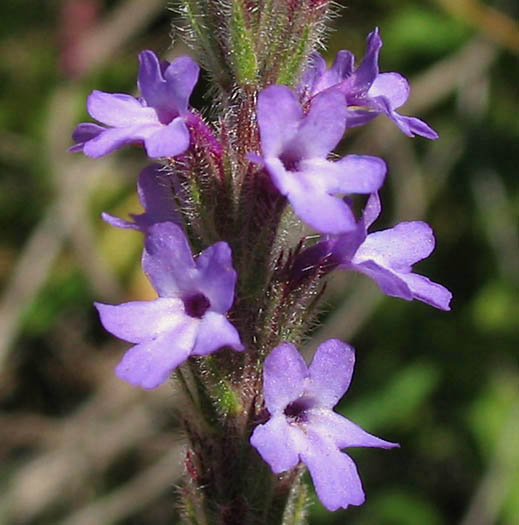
<point x="78" y="446"/>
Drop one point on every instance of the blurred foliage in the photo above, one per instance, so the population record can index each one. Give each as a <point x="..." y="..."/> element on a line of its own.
<point x="444" y="385"/>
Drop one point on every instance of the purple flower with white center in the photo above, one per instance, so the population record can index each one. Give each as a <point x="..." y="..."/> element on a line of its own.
<point x="386" y="256"/>
<point x="295" y="147"/>
<point x="368" y="93"/>
<point x="303" y="426"/>
<point x="156" y="190"/>
<point x="157" y="119"/>
<point x="188" y="318"/>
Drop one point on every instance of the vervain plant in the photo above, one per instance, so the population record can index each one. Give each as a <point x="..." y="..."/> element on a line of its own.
<point x="237" y="294"/>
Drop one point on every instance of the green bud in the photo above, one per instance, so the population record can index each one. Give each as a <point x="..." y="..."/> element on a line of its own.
<point x="242" y="47"/>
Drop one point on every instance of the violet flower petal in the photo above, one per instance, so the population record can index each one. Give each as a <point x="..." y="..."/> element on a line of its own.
<point x="318" y="133"/>
<point x="156" y="195"/>
<point x="118" y="222"/>
<point x="167" y="260"/>
<point x="216" y="277"/>
<point x="215" y="332"/>
<point x="167" y="89"/>
<point x="398" y="248"/>
<point x="393" y="86"/>
<point x="83" y="133"/>
<point x="284" y="377"/>
<point x="307" y="195"/>
<point x="330" y="372"/>
<point x="274" y="441"/>
<point x="155" y="190"/>
<point x="334" y="474"/>
<point x="151" y="362"/>
<point x="138" y="321"/>
<point x="390" y="282"/>
<point x="372" y="210"/>
<point x="427" y="291"/>
<point x="169" y="140"/>
<point x="112" y="139"/>
<point x="279" y="115"/>
<point x="343" y="432"/>
<point x="363" y="77"/>
<point x="119" y="110"/>
<point x="351" y="174"/>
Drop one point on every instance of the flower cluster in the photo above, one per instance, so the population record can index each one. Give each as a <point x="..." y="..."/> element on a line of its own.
<point x="223" y="190"/>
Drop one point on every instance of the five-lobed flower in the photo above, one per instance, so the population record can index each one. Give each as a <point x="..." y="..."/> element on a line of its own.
<point x="157" y="119"/>
<point x="304" y="427"/>
<point x="294" y="149"/>
<point x="188" y="318"/>
<point x="366" y="92"/>
<point x="385" y="256"/>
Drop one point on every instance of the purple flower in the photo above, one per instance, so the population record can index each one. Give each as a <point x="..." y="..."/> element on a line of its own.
<point x="303" y="426"/>
<point x="295" y="147"/>
<point x="386" y="256"/>
<point x="158" y="119"/>
<point x="156" y="190"/>
<point x="188" y="317"/>
<point x="368" y="92"/>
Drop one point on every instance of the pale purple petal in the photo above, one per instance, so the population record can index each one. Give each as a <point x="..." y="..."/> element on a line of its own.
<point x="366" y="73"/>
<point x="156" y="195"/>
<point x="168" y="141"/>
<point x="330" y="372"/>
<point x="118" y="222"/>
<point x="312" y="75"/>
<point x="150" y="363"/>
<point x="398" y="248"/>
<point x="393" y="86"/>
<point x="167" y="89"/>
<point x="215" y="332"/>
<point x="275" y="444"/>
<point x="390" y="282"/>
<point x="351" y="174"/>
<point x="343" y="247"/>
<point x="279" y="115"/>
<point x="344" y="433"/>
<point x="315" y="206"/>
<point x="216" y="278"/>
<point x="114" y="138"/>
<point x="427" y="291"/>
<point x="360" y="117"/>
<point x="167" y="260"/>
<point x="323" y="127"/>
<point x="321" y="78"/>
<point x="119" y="110"/>
<point x="334" y="474"/>
<point x="155" y="189"/>
<point x="138" y="321"/>
<point x="284" y="376"/>
<point x="83" y="133"/>
<point x="151" y="81"/>
<point x="182" y="76"/>
<point x="342" y="67"/>
<point x="412" y="126"/>
<point x="371" y="210"/>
